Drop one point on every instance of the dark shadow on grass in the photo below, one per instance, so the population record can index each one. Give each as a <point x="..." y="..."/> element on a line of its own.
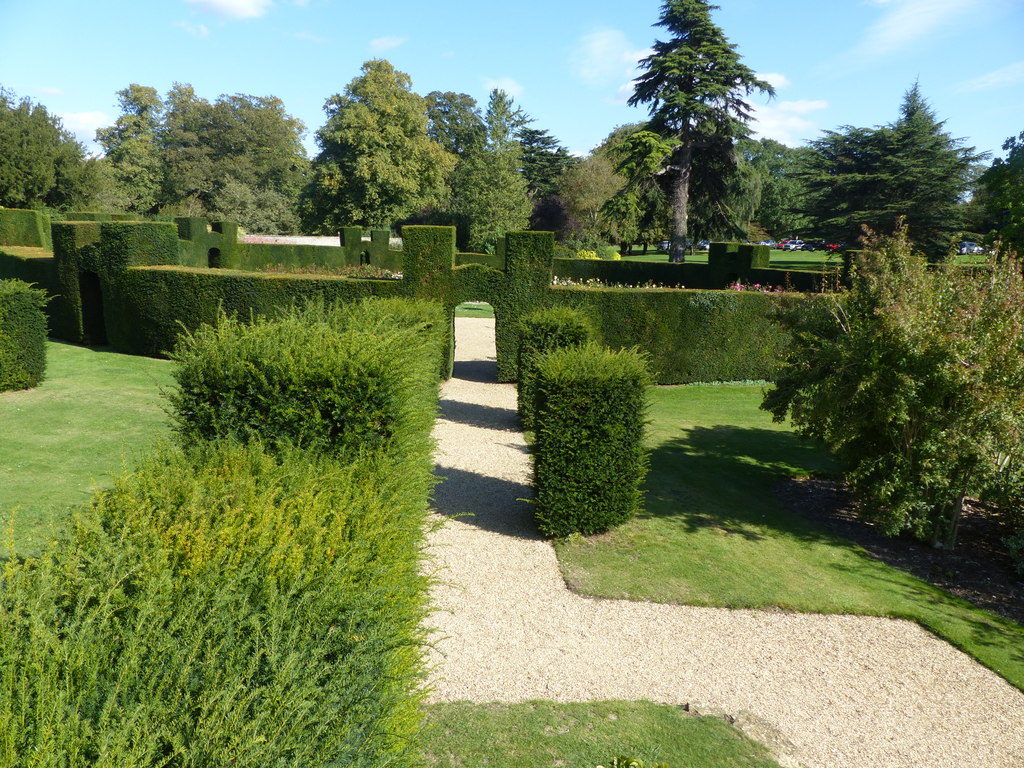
<point x="476" y="415"/>
<point x="490" y="503"/>
<point x="723" y="477"/>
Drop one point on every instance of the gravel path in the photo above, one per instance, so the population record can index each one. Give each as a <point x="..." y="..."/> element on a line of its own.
<point x="822" y="691"/>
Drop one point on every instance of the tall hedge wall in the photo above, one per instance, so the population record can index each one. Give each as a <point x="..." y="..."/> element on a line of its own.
<point x="690" y="336"/>
<point x="22" y="335"/>
<point x="147" y="308"/>
<point x="24" y="227"/>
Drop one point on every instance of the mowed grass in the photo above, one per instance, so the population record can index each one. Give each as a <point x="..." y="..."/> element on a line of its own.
<point x="796" y="261"/>
<point x="474" y="309"/>
<point x="713" y="533"/>
<point x="545" y="734"/>
<point x="94" y="412"/>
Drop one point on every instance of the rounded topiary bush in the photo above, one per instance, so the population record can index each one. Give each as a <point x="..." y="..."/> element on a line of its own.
<point x="543" y="331"/>
<point x="22" y="335"/>
<point x="589" y="458"/>
<point x="324" y="378"/>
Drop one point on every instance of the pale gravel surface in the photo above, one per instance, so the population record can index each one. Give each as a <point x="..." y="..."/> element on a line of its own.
<point x="828" y="691"/>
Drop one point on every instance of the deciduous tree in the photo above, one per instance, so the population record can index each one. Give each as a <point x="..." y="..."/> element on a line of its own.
<point x="376" y="162"/>
<point x="1004" y="184"/>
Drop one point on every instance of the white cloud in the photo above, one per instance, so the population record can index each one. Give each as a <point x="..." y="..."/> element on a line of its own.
<point x="786" y="122"/>
<point x="386" y="43"/>
<point x="904" y="22"/>
<point x="506" y="84"/>
<point x="234" y="9"/>
<point x="84" y="125"/>
<point x="777" y="80"/>
<point x="605" y="56"/>
<point x="196" y="30"/>
<point x="1012" y="74"/>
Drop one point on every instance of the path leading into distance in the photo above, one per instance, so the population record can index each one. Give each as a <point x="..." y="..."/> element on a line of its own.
<point x="822" y="691"/>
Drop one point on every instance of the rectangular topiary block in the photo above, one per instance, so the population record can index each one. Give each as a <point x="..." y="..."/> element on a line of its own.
<point x="589" y="459"/>
<point x="24" y="227"/>
<point x="542" y="331"/>
<point x="22" y="335"/>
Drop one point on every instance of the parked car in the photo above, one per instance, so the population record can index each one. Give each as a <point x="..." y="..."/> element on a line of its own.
<point x="663" y="245"/>
<point x="703" y="245"/>
<point x="833" y="247"/>
<point x="793" y="245"/>
<point x="813" y="245"/>
<point x="769" y="243"/>
<point x="970" y="247"/>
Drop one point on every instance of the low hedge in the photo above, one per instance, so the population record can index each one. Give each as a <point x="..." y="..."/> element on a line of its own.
<point x="223" y="607"/>
<point x="22" y="335"/>
<point x="589" y="459"/>
<point x="542" y="331"/>
<point x="689" y="336"/>
<point x="19" y="226"/>
<point x="327" y="378"/>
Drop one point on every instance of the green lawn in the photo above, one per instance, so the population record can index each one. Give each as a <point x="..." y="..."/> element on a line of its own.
<point x="474" y="309"/>
<point x="93" y="413"/>
<point x="714" y="534"/>
<point x="543" y="734"/>
<point x="796" y="261"/>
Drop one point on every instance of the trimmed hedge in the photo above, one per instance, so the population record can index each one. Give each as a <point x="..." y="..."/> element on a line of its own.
<point x="148" y="308"/>
<point x="689" y="336"/>
<point x="224" y="607"/>
<point x="589" y="459"/>
<point x="325" y="378"/>
<point x="22" y="335"/>
<point x="542" y="331"/>
<point x="19" y="226"/>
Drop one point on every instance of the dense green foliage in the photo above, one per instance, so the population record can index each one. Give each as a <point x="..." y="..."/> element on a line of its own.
<point x="911" y="169"/>
<point x="41" y="163"/>
<point x="221" y="607"/>
<point x="22" y="335"/>
<point x="540" y="332"/>
<point x="22" y="227"/>
<point x="695" y="85"/>
<point x="589" y="458"/>
<point x="489" y="190"/>
<point x="1004" y="201"/>
<point x="780" y="210"/>
<point x="916" y="379"/>
<point x="223" y="604"/>
<point x="376" y="163"/>
<point x="239" y="158"/>
<point x="689" y="336"/>
<point x="326" y="377"/>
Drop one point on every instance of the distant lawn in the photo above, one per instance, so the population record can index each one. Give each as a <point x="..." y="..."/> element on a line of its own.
<point x="474" y="309"/>
<point x="543" y="733"/>
<point x="796" y="261"/>
<point x="713" y="533"/>
<point x="94" y="411"/>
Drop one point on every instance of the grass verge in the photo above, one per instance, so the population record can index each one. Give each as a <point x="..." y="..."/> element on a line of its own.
<point x="545" y="733"/>
<point x="94" y="411"/>
<point x="713" y="533"/>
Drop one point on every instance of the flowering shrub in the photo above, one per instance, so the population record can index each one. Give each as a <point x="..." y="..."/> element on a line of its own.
<point x="585" y="254"/>
<point x="596" y="282"/>
<point x="629" y="762"/>
<point x="755" y="287"/>
<point x="362" y="271"/>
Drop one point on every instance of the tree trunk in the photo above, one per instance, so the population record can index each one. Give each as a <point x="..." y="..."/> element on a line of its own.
<point x="679" y="240"/>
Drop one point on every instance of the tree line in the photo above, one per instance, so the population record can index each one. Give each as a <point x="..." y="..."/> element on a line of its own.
<point x="387" y="156"/>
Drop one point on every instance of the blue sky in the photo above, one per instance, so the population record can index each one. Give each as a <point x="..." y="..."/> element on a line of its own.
<point x="568" y="63"/>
